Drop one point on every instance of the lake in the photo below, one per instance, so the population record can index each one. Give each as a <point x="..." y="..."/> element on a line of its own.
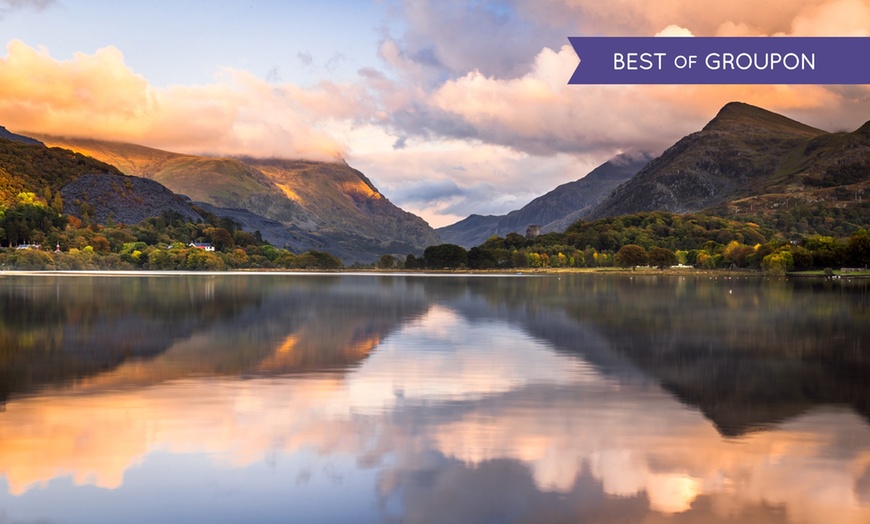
<point x="428" y="398"/>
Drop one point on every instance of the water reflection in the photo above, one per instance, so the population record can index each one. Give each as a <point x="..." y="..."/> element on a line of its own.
<point x="433" y="400"/>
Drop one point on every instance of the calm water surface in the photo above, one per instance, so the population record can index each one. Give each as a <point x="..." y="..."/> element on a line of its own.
<point x="367" y="398"/>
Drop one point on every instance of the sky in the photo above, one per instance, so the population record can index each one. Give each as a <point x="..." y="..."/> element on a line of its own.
<point x="450" y="108"/>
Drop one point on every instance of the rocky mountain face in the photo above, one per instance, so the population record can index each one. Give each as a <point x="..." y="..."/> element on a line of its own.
<point x="748" y="158"/>
<point x="553" y="211"/>
<point x="121" y="198"/>
<point x="300" y="204"/>
<point x="86" y="186"/>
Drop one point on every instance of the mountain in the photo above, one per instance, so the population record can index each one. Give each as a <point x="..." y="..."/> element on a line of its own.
<point x="301" y="204"/>
<point x="84" y="184"/>
<point x="749" y="160"/>
<point x="472" y="230"/>
<point x="8" y="135"/>
<point x="122" y="198"/>
<point x="34" y="168"/>
<point x="553" y="211"/>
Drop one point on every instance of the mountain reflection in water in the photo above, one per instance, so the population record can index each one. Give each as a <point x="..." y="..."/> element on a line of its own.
<point x="330" y="398"/>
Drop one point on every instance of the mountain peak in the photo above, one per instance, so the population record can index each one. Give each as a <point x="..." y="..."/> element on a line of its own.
<point x="631" y="157"/>
<point x="739" y="116"/>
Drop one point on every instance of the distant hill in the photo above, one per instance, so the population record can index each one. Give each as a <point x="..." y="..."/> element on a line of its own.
<point x="472" y="230"/>
<point x="553" y="211"/>
<point x="319" y="205"/>
<point x="748" y="160"/>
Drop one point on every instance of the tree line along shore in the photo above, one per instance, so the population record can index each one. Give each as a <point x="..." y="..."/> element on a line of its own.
<point x="38" y="236"/>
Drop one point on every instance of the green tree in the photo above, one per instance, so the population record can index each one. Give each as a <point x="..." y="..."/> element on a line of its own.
<point x="220" y="238"/>
<point x="479" y="258"/>
<point x="630" y="255"/>
<point x="445" y="256"/>
<point x="519" y="259"/>
<point x="386" y="262"/>
<point x="778" y="263"/>
<point x="802" y="257"/>
<point x="858" y="248"/>
<point x="202" y="260"/>
<point x="662" y="258"/>
<point x="57" y="203"/>
<point x="324" y="260"/>
<point x="737" y="254"/>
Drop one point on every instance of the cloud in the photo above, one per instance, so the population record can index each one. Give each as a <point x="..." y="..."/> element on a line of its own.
<point x="452" y="38"/>
<point x="445" y="40"/>
<point x="482" y="86"/>
<point x="674" y="30"/>
<point x="428" y="191"/>
<point x="639" y="17"/>
<point x="444" y="180"/>
<point x="98" y="96"/>
<point x="835" y="18"/>
<point x="305" y="58"/>
<point x="7" y="6"/>
<point x="457" y="201"/>
<point x="529" y="107"/>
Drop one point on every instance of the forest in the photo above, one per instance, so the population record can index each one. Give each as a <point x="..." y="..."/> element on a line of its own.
<point x="164" y="242"/>
<point x="655" y="239"/>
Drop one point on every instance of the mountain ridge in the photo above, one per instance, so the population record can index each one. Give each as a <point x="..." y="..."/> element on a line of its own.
<point x="744" y="152"/>
<point x="554" y="210"/>
<point x="321" y="205"/>
<point x="9" y="135"/>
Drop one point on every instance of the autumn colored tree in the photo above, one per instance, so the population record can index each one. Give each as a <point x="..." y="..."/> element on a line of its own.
<point x="220" y="238"/>
<point x="631" y="255"/>
<point x="778" y="263"/>
<point x="662" y="258"/>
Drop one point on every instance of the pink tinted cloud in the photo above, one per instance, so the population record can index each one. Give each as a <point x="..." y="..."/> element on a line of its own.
<point x="98" y="96"/>
<point x="537" y="113"/>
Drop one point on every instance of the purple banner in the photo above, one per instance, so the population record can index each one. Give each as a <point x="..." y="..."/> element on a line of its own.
<point x="721" y="60"/>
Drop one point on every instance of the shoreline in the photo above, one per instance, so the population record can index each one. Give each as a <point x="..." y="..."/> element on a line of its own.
<point x="683" y="272"/>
